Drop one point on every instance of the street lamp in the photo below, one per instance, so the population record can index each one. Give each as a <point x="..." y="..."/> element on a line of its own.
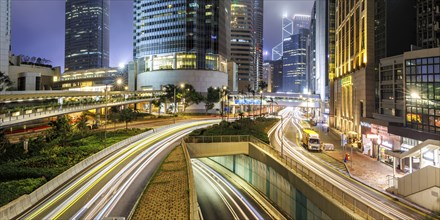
<point x="282" y="136"/>
<point x="261" y="101"/>
<point x="118" y="82"/>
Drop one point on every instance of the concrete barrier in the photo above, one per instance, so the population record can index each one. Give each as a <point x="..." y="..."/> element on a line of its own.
<point x="16" y="207"/>
<point x="326" y="195"/>
<point x="193" y="203"/>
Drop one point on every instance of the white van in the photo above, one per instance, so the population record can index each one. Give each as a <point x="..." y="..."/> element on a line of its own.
<point x="327" y="146"/>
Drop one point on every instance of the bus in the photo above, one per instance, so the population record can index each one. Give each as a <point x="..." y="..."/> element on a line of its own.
<point x="310" y="140"/>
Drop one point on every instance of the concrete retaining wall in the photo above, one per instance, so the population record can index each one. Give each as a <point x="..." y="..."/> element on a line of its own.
<point x="193" y="203"/>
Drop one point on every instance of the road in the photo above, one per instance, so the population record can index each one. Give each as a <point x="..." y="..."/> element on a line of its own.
<point x="220" y="198"/>
<point x="110" y="187"/>
<point x="286" y="134"/>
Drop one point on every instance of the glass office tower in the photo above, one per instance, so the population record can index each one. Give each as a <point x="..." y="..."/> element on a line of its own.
<point x="180" y="41"/>
<point x="193" y="30"/>
<point x="87" y="34"/>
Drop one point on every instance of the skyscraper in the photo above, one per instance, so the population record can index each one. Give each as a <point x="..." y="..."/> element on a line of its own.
<point x="294" y="62"/>
<point x="243" y="42"/>
<point x="5" y="35"/>
<point x="321" y="50"/>
<point x="354" y="80"/>
<point x="300" y="22"/>
<point x="258" y="35"/>
<point x="428" y="23"/>
<point x="87" y="34"/>
<point x="178" y="42"/>
<point x="286" y="32"/>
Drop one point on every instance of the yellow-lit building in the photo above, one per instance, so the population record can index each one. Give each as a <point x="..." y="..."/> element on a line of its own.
<point x="353" y="83"/>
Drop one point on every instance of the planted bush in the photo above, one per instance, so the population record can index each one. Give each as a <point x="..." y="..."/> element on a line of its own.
<point x="257" y="128"/>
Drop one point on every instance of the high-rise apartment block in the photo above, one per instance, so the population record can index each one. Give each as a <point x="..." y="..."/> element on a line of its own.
<point x="5" y="35"/>
<point x="428" y="23"/>
<point x="86" y="34"/>
<point x="181" y="41"/>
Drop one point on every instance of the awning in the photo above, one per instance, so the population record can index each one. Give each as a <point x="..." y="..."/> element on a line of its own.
<point x="415" y="151"/>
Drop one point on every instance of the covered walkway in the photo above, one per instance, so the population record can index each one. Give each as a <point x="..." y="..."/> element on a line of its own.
<point x="425" y="153"/>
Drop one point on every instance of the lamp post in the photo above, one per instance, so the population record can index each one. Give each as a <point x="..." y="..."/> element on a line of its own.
<point x="105" y="113"/>
<point x="282" y="137"/>
<point x="119" y="81"/>
<point x="261" y="101"/>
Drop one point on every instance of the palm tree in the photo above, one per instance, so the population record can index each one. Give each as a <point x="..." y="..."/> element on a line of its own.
<point x="5" y="82"/>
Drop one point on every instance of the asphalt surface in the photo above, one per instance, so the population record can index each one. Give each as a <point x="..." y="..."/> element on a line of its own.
<point x="220" y="198"/>
<point x="111" y="187"/>
<point x="330" y="165"/>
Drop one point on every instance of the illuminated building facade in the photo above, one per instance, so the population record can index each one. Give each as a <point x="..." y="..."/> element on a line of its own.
<point x="422" y="90"/>
<point x="258" y="36"/>
<point x="354" y="79"/>
<point x="428" y="23"/>
<point x="180" y="41"/>
<point x="294" y="62"/>
<point x="86" y="34"/>
<point x="277" y="75"/>
<point x="243" y="42"/>
<point x="5" y="35"/>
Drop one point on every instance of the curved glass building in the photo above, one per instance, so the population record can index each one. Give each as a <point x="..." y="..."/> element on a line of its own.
<point x="175" y="38"/>
<point x="181" y="34"/>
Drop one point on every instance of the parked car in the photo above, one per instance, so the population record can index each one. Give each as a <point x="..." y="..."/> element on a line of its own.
<point x="327" y="146"/>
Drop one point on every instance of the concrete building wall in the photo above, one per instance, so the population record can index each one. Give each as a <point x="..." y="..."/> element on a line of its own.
<point x="5" y="35"/>
<point x="200" y="79"/>
<point x="233" y="76"/>
<point x="46" y="75"/>
<point x="422" y="187"/>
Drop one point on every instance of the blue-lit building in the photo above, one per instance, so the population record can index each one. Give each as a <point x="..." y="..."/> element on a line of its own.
<point x="86" y="34"/>
<point x="180" y="41"/>
<point x="294" y="62"/>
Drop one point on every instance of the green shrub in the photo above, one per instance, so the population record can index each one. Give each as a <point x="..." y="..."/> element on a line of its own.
<point x="13" y="189"/>
<point x="257" y="128"/>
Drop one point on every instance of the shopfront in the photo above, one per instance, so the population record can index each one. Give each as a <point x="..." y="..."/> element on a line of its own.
<point x="376" y="140"/>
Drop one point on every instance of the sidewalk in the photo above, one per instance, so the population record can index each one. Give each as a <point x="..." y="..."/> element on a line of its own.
<point x="360" y="166"/>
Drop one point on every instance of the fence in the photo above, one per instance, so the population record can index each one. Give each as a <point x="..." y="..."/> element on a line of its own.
<point x="321" y="184"/>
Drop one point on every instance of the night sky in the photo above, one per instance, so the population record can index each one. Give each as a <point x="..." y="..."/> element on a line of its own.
<point x="38" y="27"/>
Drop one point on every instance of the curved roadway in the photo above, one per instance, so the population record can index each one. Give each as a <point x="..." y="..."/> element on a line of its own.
<point x="111" y="187"/>
<point x="292" y="148"/>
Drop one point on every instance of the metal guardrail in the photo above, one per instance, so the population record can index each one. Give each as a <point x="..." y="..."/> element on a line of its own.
<point x="357" y="206"/>
<point x="50" y="112"/>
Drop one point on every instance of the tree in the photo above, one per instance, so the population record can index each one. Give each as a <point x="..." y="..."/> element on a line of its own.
<point x="262" y="84"/>
<point x="212" y="97"/>
<point x="81" y="124"/>
<point x="249" y="88"/>
<point x="5" y="82"/>
<point x="4" y="142"/>
<point x="61" y="129"/>
<point x="158" y="103"/>
<point x="127" y="115"/>
<point x="189" y="96"/>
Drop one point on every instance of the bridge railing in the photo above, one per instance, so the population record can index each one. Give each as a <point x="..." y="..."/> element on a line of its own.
<point x="345" y="199"/>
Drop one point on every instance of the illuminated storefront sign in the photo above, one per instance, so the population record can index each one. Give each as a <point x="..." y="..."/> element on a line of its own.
<point x="247" y="102"/>
<point x="413" y="118"/>
<point x="365" y="124"/>
<point x="346" y="81"/>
